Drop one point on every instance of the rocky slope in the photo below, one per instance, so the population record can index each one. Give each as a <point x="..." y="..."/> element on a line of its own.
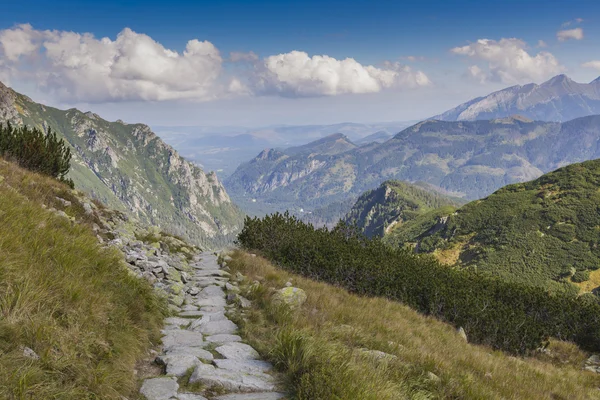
<point x="468" y="159"/>
<point x="539" y="232"/>
<point x="558" y="99"/>
<point x="128" y="167"/>
<point x="393" y="203"/>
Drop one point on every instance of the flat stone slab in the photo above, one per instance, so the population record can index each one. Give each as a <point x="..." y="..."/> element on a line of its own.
<point x="180" y="338"/>
<point x="211" y="272"/>
<point x="177" y="321"/>
<point x="251" y="396"/>
<point x="211" y="291"/>
<point x="193" y="351"/>
<point x="191" y="314"/>
<point x="159" y="388"/>
<point x="213" y="377"/>
<point x="211" y="302"/>
<point x="250" y="366"/>
<point x="237" y="351"/>
<point x="191" y="396"/>
<point x="224" y="326"/>
<point x="178" y="364"/>
<point x="223" y="338"/>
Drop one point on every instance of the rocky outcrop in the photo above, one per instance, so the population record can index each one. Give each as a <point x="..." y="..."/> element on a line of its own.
<point x="129" y="168"/>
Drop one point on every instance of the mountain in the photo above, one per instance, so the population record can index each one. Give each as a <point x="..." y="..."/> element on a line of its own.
<point x="329" y="145"/>
<point x="379" y="137"/>
<point x="223" y="149"/>
<point x="538" y="232"/>
<point x="558" y="99"/>
<point x="393" y="203"/>
<point x="467" y="159"/>
<point x="129" y="168"/>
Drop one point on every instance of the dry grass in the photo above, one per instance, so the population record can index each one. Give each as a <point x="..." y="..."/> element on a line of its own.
<point x="317" y="348"/>
<point x="590" y="284"/>
<point x="67" y="298"/>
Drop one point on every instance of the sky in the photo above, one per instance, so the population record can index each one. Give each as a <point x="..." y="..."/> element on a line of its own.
<point x="258" y="63"/>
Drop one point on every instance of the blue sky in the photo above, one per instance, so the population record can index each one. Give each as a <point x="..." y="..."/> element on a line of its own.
<point x="410" y="44"/>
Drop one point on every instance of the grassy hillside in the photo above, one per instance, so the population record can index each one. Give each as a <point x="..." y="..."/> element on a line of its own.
<point x="540" y="232"/>
<point x="392" y="204"/>
<point x="129" y="168"/>
<point x="326" y="349"/>
<point x="66" y="298"/>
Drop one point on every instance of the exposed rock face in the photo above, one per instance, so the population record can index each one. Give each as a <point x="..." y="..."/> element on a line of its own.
<point x="558" y="99"/>
<point x="129" y="168"/>
<point x="292" y="297"/>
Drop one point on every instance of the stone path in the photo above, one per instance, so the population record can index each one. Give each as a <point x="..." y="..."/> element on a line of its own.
<point x="201" y="338"/>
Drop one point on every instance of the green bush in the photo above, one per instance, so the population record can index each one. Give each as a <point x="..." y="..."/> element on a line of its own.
<point x="36" y="151"/>
<point x="581" y="276"/>
<point x="505" y="315"/>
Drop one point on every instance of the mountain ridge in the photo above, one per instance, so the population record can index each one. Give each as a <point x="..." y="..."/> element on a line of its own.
<point x="128" y="167"/>
<point x="558" y="99"/>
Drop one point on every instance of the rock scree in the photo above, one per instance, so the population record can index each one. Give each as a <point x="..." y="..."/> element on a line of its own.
<point x="202" y="339"/>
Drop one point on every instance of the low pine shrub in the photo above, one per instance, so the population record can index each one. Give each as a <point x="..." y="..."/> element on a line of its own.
<point x="505" y="315"/>
<point x="36" y="151"/>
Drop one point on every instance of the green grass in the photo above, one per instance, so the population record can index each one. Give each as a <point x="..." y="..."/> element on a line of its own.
<point x="318" y="348"/>
<point x="67" y="298"/>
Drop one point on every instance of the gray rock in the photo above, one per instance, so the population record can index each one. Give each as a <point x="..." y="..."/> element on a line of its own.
<point x="237" y="351"/>
<point x="190" y="396"/>
<point x="223" y="338"/>
<point x="224" y="326"/>
<point x="191" y="314"/>
<point x="462" y="334"/>
<point x="180" y="338"/>
<point x="159" y="388"/>
<point x="211" y="302"/>
<point x="177" y="364"/>
<point x="291" y="296"/>
<point x="212" y="291"/>
<point x="87" y="207"/>
<point x="213" y="377"/>
<point x="29" y="353"/>
<point x="250" y="366"/>
<point x="251" y="396"/>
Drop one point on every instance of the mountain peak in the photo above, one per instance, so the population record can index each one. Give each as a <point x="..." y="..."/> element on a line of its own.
<point x="557" y="80"/>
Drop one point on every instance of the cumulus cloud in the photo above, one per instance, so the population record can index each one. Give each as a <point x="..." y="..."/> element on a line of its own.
<point x="567" y="34"/>
<point x="508" y="61"/>
<point x="592" y="64"/>
<point x="297" y="74"/>
<point x="572" y="22"/>
<point x="131" y="67"/>
<point x="541" y="44"/>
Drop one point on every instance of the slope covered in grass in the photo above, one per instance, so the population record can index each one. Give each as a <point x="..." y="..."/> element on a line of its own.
<point x="65" y="297"/>
<point x="323" y="348"/>
<point x="538" y="232"/>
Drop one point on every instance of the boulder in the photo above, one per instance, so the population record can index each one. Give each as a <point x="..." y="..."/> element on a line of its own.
<point x="292" y="297"/>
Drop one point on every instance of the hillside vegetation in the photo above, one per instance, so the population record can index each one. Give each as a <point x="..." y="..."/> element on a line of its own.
<point x="505" y="315"/>
<point x="339" y="345"/>
<point x="544" y="232"/>
<point x="65" y="297"/>
<point x="129" y="168"/>
<point x="392" y="204"/>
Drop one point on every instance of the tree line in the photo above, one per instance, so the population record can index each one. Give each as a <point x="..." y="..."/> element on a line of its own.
<point x="510" y="316"/>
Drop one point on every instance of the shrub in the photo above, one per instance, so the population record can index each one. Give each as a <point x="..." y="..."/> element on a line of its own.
<point x="36" y="151"/>
<point x="505" y="315"/>
<point x="581" y="276"/>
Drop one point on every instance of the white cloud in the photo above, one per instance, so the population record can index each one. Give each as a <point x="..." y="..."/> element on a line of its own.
<point x="78" y="67"/>
<point x="591" y="64"/>
<point x="567" y="34"/>
<point x="131" y="67"/>
<point x="574" y="21"/>
<point x="297" y="74"/>
<point x="541" y="44"/>
<point x="508" y="61"/>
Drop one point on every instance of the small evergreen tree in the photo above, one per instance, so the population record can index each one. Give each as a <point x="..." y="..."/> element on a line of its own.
<point x="36" y="151"/>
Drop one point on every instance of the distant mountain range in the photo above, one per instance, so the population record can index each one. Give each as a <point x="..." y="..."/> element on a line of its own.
<point x="468" y="159"/>
<point x="559" y="99"/>
<point x="223" y="149"/>
<point x="129" y="168"/>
